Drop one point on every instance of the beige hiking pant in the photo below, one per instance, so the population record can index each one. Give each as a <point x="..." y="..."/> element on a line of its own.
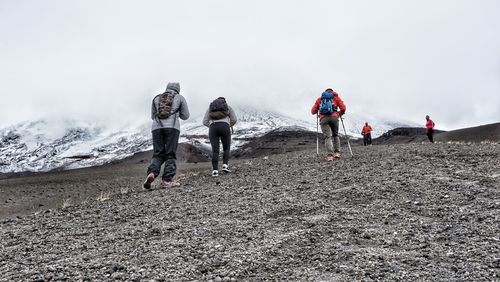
<point x="330" y="128"/>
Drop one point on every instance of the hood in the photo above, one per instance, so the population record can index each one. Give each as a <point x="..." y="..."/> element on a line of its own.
<point x="174" y="86"/>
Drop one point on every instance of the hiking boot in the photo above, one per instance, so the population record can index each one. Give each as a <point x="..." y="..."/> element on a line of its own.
<point x="225" y="168"/>
<point x="336" y="155"/>
<point x="166" y="183"/>
<point x="329" y="157"/>
<point x="215" y="173"/>
<point x="149" y="179"/>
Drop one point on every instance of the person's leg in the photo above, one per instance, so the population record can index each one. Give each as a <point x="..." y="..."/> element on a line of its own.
<point x="365" y="140"/>
<point x="226" y="142"/>
<point x="335" y="133"/>
<point x="327" y="131"/>
<point x="213" y="135"/>
<point x="171" y="135"/>
<point x="430" y="134"/>
<point x="369" y="138"/>
<point x="158" y="153"/>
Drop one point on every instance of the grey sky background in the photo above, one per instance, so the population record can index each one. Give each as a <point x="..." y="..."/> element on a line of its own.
<point x="105" y="60"/>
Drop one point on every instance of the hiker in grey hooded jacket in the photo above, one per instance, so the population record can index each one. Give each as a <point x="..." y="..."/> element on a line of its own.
<point x="179" y="106"/>
<point x="219" y="130"/>
<point x="166" y="137"/>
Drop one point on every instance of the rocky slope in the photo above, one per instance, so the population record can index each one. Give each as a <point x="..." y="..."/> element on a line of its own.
<point x="413" y="212"/>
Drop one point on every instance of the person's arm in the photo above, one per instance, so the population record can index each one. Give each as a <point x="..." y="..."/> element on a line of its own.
<point x="315" y="107"/>
<point x="183" y="109"/>
<point x="206" y="119"/>
<point x="340" y="104"/>
<point x="153" y="109"/>
<point x="232" y="117"/>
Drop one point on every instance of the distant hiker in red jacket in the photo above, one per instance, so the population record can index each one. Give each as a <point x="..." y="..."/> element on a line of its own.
<point x="367" y="134"/>
<point x="330" y="108"/>
<point x="429" y="128"/>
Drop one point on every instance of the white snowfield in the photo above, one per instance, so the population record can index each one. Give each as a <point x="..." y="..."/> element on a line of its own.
<point x="43" y="146"/>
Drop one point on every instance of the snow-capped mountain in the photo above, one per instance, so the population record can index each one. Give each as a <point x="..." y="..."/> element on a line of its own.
<point x="44" y="146"/>
<point x="38" y="146"/>
<point x="251" y="123"/>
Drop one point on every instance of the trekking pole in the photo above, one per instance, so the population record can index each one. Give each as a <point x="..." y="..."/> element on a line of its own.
<point x="347" y="137"/>
<point x="317" y="134"/>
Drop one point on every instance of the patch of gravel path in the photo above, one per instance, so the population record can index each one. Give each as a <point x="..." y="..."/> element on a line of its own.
<point x="402" y="212"/>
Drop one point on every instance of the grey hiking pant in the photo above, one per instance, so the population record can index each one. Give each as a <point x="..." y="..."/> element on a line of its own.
<point x="220" y="131"/>
<point x="165" y="142"/>
<point x="330" y="128"/>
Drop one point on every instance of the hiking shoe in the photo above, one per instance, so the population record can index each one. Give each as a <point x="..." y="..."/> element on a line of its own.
<point x="166" y="183"/>
<point x="149" y="179"/>
<point x="215" y="173"/>
<point x="336" y="155"/>
<point x="225" y="168"/>
<point x="329" y="157"/>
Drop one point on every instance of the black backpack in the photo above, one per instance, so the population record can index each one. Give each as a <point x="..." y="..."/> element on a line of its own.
<point x="218" y="109"/>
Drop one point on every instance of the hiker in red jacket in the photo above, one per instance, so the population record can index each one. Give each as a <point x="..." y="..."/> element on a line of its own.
<point x="367" y="134"/>
<point x="429" y="128"/>
<point x="330" y="108"/>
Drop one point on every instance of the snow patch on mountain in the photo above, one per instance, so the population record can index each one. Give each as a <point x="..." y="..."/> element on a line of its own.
<point x="41" y="146"/>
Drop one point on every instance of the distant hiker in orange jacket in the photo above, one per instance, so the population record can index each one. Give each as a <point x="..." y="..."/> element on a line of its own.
<point x="429" y="128"/>
<point x="367" y="134"/>
<point x="330" y="108"/>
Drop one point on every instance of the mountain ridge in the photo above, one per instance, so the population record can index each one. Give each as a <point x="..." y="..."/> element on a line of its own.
<point x="39" y="146"/>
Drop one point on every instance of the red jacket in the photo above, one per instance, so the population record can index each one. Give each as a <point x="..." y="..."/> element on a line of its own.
<point x="429" y="125"/>
<point x="366" y="130"/>
<point x="338" y="104"/>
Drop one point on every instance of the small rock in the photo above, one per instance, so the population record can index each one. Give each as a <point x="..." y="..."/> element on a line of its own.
<point x="117" y="276"/>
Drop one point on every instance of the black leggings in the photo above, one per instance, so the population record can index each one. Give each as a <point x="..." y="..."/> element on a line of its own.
<point x="367" y="139"/>
<point x="430" y="133"/>
<point x="220" y="131"/>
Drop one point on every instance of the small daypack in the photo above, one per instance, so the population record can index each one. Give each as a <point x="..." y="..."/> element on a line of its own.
<point x="165" y="104"/>
<point x="218" y="109"/>
<point x="326" y="106"/>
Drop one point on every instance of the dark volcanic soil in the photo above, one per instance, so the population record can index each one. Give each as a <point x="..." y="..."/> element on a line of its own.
<point x="401" y="212"/>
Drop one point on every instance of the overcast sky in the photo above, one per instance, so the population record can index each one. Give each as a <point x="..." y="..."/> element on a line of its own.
<point x="105" y="60"/>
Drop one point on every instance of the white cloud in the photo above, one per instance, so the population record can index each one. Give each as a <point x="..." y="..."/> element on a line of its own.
<point x="106" y="59"/>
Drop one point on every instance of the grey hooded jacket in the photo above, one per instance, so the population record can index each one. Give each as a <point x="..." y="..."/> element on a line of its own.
<point x="179" y="110"/>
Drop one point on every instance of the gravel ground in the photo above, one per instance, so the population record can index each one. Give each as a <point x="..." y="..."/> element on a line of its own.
<point x="409" y="212"/>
